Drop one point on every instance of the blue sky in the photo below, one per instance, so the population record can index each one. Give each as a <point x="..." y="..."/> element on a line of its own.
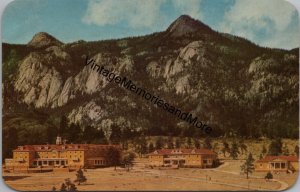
<point x="272" y="23"/>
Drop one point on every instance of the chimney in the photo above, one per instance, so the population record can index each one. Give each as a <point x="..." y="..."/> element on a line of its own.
<point x="58" y="140"/>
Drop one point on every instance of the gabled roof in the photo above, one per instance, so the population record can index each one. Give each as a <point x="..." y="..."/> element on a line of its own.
<point x="183" y="151"/>
<point x="64" y="147"/>
<point x="286" y="158"/>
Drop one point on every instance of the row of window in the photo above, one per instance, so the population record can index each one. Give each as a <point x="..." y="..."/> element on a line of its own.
<point x="100" y="162"/>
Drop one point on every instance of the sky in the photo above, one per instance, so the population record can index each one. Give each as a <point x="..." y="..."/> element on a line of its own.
<point x="269" y="23"/>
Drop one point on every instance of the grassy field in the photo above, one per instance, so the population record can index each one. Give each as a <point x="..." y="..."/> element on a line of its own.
<point x="223" y="178"/>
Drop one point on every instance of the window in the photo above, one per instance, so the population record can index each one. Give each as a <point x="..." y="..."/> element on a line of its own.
<point x="205" y="161"/>
<point x="283" y="165"/>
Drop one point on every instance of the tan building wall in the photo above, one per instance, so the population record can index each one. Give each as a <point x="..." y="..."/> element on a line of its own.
<point x="262" y="166"/>
<point x="295" y="165"/>
<point x="72" y="156"/>
<point x="156" y="160"/>
<point x="276" y="165"/>
<point x="186" y="160"/>
<point x="21" y="159"/>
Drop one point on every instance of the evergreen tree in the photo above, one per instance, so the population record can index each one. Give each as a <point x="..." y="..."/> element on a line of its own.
<point x="63" y="188"/>
<point x="189" y="142"/>
<point x="296" y="150"/>
<point x="285" y="150"/>
<point x="234" y="151"/>
<point x="159" y="143"/>
<point x="242" y="146"/>
<point x="116" y="135"/>
<point x="74" y="133"/>
<point x="10" y="141"/>
<point x="89" y="134"/>
<point x="264" y="150"/>
<point x="72" y="188"/>
<point x="143" y="146"/>
<point x="113" y="156"/>
<point x="170" y="143"/>
<point x="225" y="148"/>
<point x="275" y="147"/>
<point x="128" y="159"/>
<point x="63" y="126"/>
<point x="197" y="143"/>
<point x="151" y="147"/>
<point x="215" y="147"/>
<point x="269" y="176"/>
<point x="178" y="143"/>
<point x="248" y="166"/>
<point x="207" y="143"/>
<point x="80" y="178"/>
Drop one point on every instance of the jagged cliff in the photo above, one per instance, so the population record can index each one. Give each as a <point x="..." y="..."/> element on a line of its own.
<point x="228" y="82"/>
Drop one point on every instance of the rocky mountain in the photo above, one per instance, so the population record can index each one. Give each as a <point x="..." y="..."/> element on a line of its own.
<point x="43" y="39"/>
<point x="228" y="82"/>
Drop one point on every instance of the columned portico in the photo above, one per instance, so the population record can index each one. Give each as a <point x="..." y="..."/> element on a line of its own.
<point x="50" y="162"/>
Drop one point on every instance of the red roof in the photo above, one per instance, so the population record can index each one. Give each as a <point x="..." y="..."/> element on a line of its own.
<point x="63" y="147"/>
<point x="183" y="151"/>
<point x="272" y="158"/>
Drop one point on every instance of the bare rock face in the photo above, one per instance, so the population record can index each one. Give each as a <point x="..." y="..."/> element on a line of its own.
<point x="185" y="25"/>
<point x="182" y="85"/>
<point x="154" y="69"/>
<point x="43" y="39"/>
<point x="89" y="112"/>
<point x="67" y="92"/>
<point x="40" y="84"/>
<point x="194" y="50"/>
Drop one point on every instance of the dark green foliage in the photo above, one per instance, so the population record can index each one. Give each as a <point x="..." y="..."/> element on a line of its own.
<point x="189" y="143"/>
<point x="10" y="65"/>
<point x="63" y="126"/>
<point x="80" y="178"/>
<point x="127" y="160"/>
<point x="68" y="186"/>
<point x="170" y="143"/>
<point x="285" y="150"/>
<point x="207" y="143"/>
<point x="73" y="134"/>
<point x="141" y="147"/>
<point x="297" y="150"/>
<point x="63" y="188"/>
<point x="197" y="143"/>
<point x="242" y="146"/>
<point x="248" y="166"/>
<point x="113" y="156"/>
<point x="151" y="147"/>
<point x="275" y="147"/>
<point x="225" y="148"/>
<point x="177" y="143"/>
<point x="264" y="150"/>
<point x="159" y="143"/>
<point x="269" y="176"/>
<point x="234" y="150"/>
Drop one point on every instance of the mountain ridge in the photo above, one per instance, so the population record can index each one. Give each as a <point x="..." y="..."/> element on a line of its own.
<point x="228" y="82"/>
